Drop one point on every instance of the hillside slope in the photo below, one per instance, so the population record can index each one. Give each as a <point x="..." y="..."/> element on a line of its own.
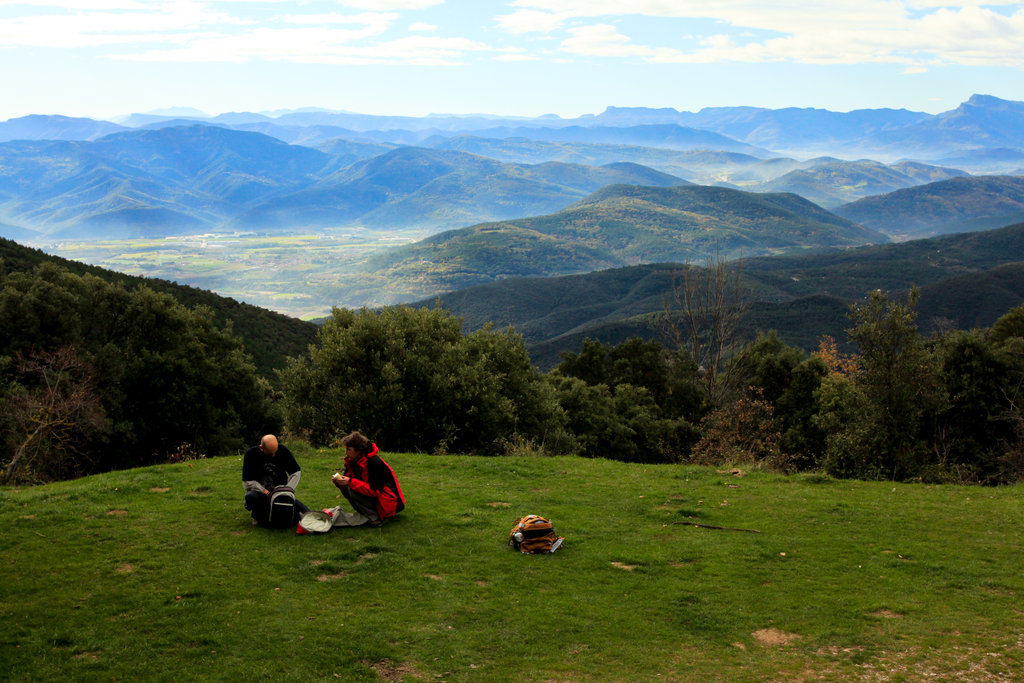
<point x="966" y="280"/>
<point x="269" y="337"/>
<point x="617" y="226"/>
<point x="954" y="205"/>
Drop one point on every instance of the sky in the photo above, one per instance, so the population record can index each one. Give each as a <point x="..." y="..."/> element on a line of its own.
<point x="109" y="58"/>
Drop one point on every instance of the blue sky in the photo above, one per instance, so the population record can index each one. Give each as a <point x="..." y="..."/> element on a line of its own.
<point x="104" y="58"/>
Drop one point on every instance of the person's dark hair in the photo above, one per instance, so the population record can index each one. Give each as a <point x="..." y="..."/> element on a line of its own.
<point x="357" y="441"/>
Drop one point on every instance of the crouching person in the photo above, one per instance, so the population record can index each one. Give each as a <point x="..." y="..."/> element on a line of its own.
<point x="368" y="483"/>
<point x="264" y="468"/>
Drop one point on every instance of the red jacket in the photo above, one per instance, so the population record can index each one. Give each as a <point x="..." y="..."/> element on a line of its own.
<point x="373" y="477"/>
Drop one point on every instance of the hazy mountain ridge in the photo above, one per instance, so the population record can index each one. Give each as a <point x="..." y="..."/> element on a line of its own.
<point x="942" y="207"/>
<point x="436" y="189"/>
<point x="616" y="226"/>
<point x="169" y="181"/>
<point x="968" y="280"/>
<point x="981" y="122"/>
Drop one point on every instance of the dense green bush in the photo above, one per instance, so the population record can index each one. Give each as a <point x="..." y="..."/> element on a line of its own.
<point x="96" y="376"/>
<point x="413" y="380"/>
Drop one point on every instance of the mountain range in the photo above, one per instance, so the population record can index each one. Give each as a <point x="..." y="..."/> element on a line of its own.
<point x="197" y="178"/>
<point x="983" y="122"/>
<point x="83" y="179"/>
<point x="615" y="226"/>
<point x="966" y="280"/>
<point x="558" y="225"/>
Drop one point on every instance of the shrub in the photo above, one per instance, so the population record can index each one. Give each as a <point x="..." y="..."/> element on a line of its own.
<point x="412" y="379"/>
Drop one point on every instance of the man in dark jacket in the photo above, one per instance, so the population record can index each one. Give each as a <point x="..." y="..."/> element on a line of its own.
<point x="369" y="484"/>
<point x="265" y="466"/>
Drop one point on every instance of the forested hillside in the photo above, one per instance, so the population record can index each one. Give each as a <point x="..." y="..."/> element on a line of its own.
<point x="960" y="204"/>
<point x="967" y="281"/>
<point x="268" y="336"/>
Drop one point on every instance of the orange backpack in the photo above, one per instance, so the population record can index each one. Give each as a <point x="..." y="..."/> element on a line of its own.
<point x="534" y="534"/>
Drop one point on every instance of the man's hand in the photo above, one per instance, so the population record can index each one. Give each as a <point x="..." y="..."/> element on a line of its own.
<point x="341" y="481"/>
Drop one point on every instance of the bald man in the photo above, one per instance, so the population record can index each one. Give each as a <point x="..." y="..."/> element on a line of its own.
<point x="265" y="466"/>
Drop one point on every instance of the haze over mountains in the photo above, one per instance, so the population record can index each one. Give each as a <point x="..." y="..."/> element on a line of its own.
<point x="497" y="198"/>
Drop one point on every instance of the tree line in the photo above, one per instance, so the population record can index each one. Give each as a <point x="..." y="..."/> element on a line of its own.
<point x="97" y="375"/>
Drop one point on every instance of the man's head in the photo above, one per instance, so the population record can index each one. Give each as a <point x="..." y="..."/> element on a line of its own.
<point x="268" y="444"/>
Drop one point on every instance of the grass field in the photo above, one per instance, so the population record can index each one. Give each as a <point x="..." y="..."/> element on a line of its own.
<point x="157" y="574"/>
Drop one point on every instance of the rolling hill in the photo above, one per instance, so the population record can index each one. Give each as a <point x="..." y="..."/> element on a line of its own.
<point x="435" y="189"/>
<point x="955" y="205"/>
<point x="833" y="182"/>
<point x="966" y="281"/>
<point x="269" y="337"/>
<point x="182" y="180"/>
<point x="616" y="226"/>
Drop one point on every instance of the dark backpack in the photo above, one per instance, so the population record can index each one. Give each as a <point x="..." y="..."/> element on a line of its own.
<point x="283" y="510"/>
<point x="534" y="534"/>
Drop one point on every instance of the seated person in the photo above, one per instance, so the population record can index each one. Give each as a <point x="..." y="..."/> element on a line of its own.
<point x="265" y="466"/>
<point x="368" y="483"/>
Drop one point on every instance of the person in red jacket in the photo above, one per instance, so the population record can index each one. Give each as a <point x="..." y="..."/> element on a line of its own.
<point x="368" y="483"/>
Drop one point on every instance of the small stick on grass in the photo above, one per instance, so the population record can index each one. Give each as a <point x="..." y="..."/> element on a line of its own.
<point x="724" y="528"/>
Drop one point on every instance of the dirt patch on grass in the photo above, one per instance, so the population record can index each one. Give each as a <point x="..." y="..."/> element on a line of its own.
<point x="774" y="637"/>
<point x="623" y="565"/>
<point x="117" y="513"/>
<point x="389" y="671"/>
<point x="364" y="558"/>
<point x="159" y="489"/>
<point x="735" y="471"/>
<point x="317" y="563"/>
<point x="332" y="577"/>
<point x="435" y="577"/>
<point x="500" y="505"/>
<point x="886" y="614"/>
<point x="126" y="568"/>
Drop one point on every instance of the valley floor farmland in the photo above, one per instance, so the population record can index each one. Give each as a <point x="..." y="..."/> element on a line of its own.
<point x="301" y="275"/>
<point x="157" y="573"/>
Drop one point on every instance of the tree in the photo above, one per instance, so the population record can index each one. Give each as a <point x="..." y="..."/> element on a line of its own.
<point x="702" y="315"/>
<point x="164" y="375"/>
<point x="53" y="418"/>
<point x="669" y="377"/>
<point x="898" y="386"/>
<point x="412" y="379"/>
<point x="620" y="423"/>
<point x="780" y="375"/>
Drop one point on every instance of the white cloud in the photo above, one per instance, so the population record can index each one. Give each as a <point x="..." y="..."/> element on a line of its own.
<point x="840" y="32"/>
<point x="602" y="40"/>
<point x="165" y="22"/>
<point x="532" y="21"/>
<point x="387" y="5"/>
<point x="420" y="27"/>
<point x="316" y="46"/>
<point x="374" y="22"/>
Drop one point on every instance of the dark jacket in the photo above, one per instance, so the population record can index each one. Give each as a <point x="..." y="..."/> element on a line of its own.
<point x="268" y="472"/>
<point x="373" y="477"/>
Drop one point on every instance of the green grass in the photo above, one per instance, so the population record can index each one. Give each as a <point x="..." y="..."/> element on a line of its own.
<point x="157" y="574"/>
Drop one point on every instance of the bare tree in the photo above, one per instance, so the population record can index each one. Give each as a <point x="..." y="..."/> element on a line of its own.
<point x="702" y="314"/>
<point x="51" y="417"/>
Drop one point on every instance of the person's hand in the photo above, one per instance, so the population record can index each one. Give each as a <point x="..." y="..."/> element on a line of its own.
<point x="341" y="481"/>
<point x="266" y="492"/>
